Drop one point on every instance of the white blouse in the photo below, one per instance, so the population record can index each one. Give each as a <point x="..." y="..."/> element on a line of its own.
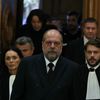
<point x="11" y="81"/>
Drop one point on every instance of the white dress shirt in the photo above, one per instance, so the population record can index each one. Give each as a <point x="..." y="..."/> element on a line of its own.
<point x="85" y="40"/>
<point x="93" y="88"/>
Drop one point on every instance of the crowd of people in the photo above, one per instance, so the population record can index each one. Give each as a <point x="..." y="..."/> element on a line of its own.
<point x="52" y="62"/>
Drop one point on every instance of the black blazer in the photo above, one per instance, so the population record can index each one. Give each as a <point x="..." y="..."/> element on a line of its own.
<point x="5" y="85"/>
<point x="31" y="82"/>
<point x="75" y="51"/>
<point x="81" y="84"/>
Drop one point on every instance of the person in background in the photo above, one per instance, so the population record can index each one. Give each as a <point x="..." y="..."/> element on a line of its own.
<point x="12" y="59"/>
<point x="55" y="21"/>
<point x="46" y="76"/>
<point x="75" y="49"/>
<point x="71" y="30"/>
<point x="34" y="28"/>
<point x="89" y="74"/>
<point x="25" y="44"/>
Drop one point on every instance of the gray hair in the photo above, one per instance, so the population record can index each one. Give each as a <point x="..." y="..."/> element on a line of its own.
<point x="24" y="40"/>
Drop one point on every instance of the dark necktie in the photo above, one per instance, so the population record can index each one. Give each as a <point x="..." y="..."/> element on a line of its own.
<point x="91" y="69"/>
<point x="50" y="72"/>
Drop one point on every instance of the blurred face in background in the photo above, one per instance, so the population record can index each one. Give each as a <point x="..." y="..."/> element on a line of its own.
<point x="72" y="22"/>
<point x="90" y="30"/>
<point x="26" y="49"/>
<point x="12" y="60"/>
<point x="36" y="23"/>
<point x="92" y="54"/>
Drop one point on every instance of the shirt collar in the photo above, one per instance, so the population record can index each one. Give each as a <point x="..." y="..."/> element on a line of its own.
<point x="85" y="40"/>
<point x="47" y="61"/>
<point x="95" y="67"/>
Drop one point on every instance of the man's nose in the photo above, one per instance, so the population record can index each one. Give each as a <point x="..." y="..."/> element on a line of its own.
<point x="52" y="44"/>
<point x="91" y="30"/>
<point x="92" y="54"/>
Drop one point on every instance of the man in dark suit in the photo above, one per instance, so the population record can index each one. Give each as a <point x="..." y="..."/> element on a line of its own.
<point x="89" y="75"/>
<point x="33" y="80"/>
<point x="75" y="49"/>
<point x="71" y="29"/>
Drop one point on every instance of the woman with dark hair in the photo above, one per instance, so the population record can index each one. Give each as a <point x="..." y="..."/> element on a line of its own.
<point x="34" y="28"/>
<point x="36" y="14"/>
<point x="12" y="59"/>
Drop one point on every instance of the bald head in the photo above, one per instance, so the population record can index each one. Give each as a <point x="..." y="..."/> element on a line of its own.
<point x="52" y="32"/>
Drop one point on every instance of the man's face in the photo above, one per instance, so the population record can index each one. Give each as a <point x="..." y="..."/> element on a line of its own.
<point x="92" y="55"/>
<point x="26" y="49"/>
<point x="52" y="45"/>
<point x="71" y="22"/>
<point x="90" y="30"/>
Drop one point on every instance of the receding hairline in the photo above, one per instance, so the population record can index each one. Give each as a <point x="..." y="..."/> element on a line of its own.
<point x="55" y="30"/>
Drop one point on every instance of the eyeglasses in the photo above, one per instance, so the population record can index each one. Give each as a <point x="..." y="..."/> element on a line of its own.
<point x="56" y="43"/>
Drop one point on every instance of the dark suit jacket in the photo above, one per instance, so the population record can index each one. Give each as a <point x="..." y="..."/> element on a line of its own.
<point x="31" y="82"/>
<point x="81" y="84"/>
<point x="75" y="51"/>
<point x="1" y="77"/>
<point x="5" y="85"/>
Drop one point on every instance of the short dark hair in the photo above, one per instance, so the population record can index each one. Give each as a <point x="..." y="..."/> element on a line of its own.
<point x="89" y="19"/>
<point x="76" y="14"/>
<point x="72" y="13"/>
<point x="94" y="42"/>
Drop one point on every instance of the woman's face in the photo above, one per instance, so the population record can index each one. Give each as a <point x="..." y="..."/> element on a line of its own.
<point x="12" y="60"/>
<point x="36" y="23"/>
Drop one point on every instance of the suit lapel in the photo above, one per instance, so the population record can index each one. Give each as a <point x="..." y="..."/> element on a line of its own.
<point x="98" y="74"/>
<point x="41" y="69"/>
<point x="84" y="78"/>
<point x="82" y="54"/>
<point x="58" y="72"/>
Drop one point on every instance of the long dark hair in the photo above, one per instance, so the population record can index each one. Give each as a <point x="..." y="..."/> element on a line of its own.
<point x="37" y="12"/>
<point x="3" y="55"/>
